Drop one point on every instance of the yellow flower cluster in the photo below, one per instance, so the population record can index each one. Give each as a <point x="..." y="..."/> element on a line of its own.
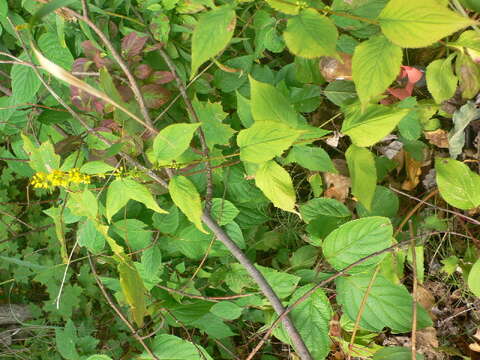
<point x="60" y="178"/>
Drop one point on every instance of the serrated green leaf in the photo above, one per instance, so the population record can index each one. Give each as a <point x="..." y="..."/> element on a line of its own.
<point x="83" y="204"/>
<point x="414" y="24"/>
<point x="96" y="167"/>
<point x="185" y="195"/>
<point x="43" y="158"/>
<point x="355" y="240"/>
<point x="66" y="339"/>
<point x="461" y="118"/>
<point x="311" y="318"/>
<point x="363" y="173"/>
<point x="269" y="104"/>
<point x="323" y="206"/>
<point x="226" y="310"/>
<point x="265" y="140"/>
<point x="173" y="141"/>
<point x="441" y="81"/>
<point x="25" y="83"/>
<point x="122" y="190"/>
<point x="290" y="7"/>
<point x="302" y="35"/>
<point x="457" y="184"/>
<point x="133" y="232"/>
<point x="223" y="211"/>
<point x="170" y="347"/>
<point x="373" y="124"/>
<point x="281" y="282"/>
<point x="387" y="305"/>
<point x="375" y="65"/>
<point x="340" y="92"/>
<point x="88" y="236"/>
<point x="474" y="279"/>
<point x="385" y="203"/>
<point x="51" y="47"/>
<point x="276" y="183"/>
<point x="312" y="158"/>
<point x="133" y="290"/>
<point x="211" y="35"/>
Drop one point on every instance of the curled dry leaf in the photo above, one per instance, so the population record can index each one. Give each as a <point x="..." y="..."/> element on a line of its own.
<point x="439" y="138"/>
<point x="334" y="69"/>
<point x="414" y="170"/>
<point x="337" y="186"/>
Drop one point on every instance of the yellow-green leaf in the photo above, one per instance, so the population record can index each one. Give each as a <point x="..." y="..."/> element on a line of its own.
<point x="458" y="185"/>
<point x="363" y="173"/>
<point x="474" y="279"/>
<point x="441" y="81"/>
<point x="211" y="35"/>
<point x="373" y="124"/>
<point x="311" y="35"/>
<point x="375" y="65"/>
<point x="133" y="290"/>
<point x="276" y="183"/>
<point x="185" y="195"/>
<point x="265" y="140"/>
<point x="290" y="7"/>
<point x="414" y="24"/>
<point x="172" y="141"/>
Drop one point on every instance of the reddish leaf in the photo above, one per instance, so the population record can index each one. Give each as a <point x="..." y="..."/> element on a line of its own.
<point x="95" y="54"/>
<point x="125" y="92"/>
<point x="132" y="44"/>
<point x="409" y="74"/>
<point x="142" y="71"/>
<point x="155" y="95"/>
<point x="162" y="77"/>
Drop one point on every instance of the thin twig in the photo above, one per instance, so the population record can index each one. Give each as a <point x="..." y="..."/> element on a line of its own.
<point x="201" y="297"/>
<point x="117" y="310"/>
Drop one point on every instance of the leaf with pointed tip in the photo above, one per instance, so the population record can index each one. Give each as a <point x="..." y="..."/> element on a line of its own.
<point x="173" y="141"/>
<point x="363" y="173"/>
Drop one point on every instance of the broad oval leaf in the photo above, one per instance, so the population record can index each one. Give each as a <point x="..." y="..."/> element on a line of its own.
<point x="133" y="290"/>
<point x="311" y="318"/>
<point x="395" y="353"/>
<point x="290" y="7"/>
<point x="458" y="185"/>
<point x="375" y="65"/>
<point x="269" y="104"/>
<point x="413" y="24"/>
<point x="363" y="173"/>
<point x="312" y="158"/>
<point x="323" y="206"/>
<point x="122" y="190"/>
<point x="373" y="124"/>
<point x="223" y="211"/>
<point x="276" y="183"/>
<point x="387" y="305"/>
<point x="357" y="239"/>
<point x="99" y="357"/>
<point x="211" y="35"/>
<point x="171" y="347"/>
<point x="441" y="81"/>
<point x="474" y="279"/>
<point x="96" y="167"/>
<point x="173" y="141"/>
<point x="311" y="35"/>
<point x="185" y="195"/>
<point x="264" y="140"/>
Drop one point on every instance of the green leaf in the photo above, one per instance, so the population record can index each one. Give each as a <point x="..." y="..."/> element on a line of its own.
<point x="244" y="110"/>
<point x="387" y="305"/>
<point x="211" y="116"/>
<point x="311" y="318"/>
<point x="66" y="339"/>
<point x="375" y="65"/>
<point x="385" y="203"/>
<point x="226" y="310"/>
<point x="290" y="7"/>
<point x="341" y="92"/>
<point x="461" y="118"/>
<point x="276" y="183"/>
<point x="83" y="204"/>
<point x="51" y="47"/>
<point x="312" y="158"/>
<point x="43" y="158"/>
<point x="88" y="236"/>
<point x="173" y="141"/>
<point x="96" y="167"/>
<point x="99" y="357"/>
<point x="170" y="347"/>
<point x="134" y="233"/>
<point x="395" y="353"/>
<point x="301" y="35"/>
<point x="185" y="195"/>
<point x="265" y="140"/>
<point x="474" y="279"/>
<point x="25" y="83"/>
<point x="211" y="35"/>
<point x="414" y="24"/>
<point x="152" y="261"/>
<point x="457" y="184"/>
<point x="323" y="206"/>
<point x="373" y="124"/>
<point x="133" y="290"/>
<point x="363" y="173"/>
<point x="441" y="81"/>
<point x="122" y="190"/>
<point x="223" y="211"/>
<point x="357" y="239"/>
<point x="269" y="104"/>
<point x="281" y="282"/>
